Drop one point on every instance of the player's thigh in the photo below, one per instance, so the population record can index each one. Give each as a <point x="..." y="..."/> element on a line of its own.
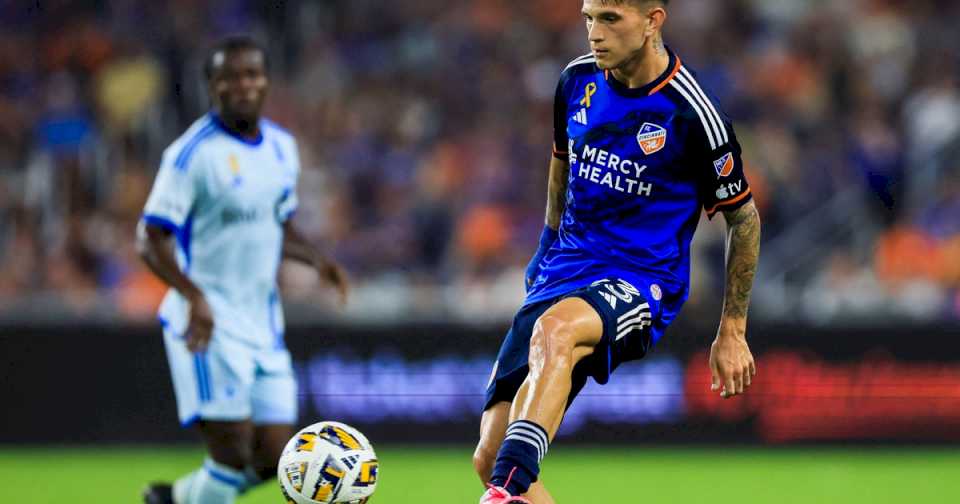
<point x="570" y="328"/>
<point x="229" y="442"/>
<point x="493" y="427"/>
<point x="510" y="368"/>
<point x="268" y="443"/>
<point x="273" y="395"/>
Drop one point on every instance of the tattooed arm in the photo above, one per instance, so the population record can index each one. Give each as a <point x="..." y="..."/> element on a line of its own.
<point x="731" y="362"/>
<point x="743" y="252"/>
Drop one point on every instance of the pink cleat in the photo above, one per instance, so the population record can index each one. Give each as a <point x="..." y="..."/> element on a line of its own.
<point x="500" y="495"/>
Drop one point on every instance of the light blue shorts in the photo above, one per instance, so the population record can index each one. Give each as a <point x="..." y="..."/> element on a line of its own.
<point x="231" y="381"/>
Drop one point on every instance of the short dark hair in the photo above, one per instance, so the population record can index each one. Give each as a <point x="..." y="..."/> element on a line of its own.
<point x="231" y="43"/>
<point x="618" y="2"/>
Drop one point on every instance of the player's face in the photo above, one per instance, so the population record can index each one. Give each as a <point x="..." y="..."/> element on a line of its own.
<point x="239" y="83"/>
<point x="617" y="32"/>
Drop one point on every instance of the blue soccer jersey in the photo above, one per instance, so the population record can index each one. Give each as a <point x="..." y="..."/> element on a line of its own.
<point x="644" y="162"/>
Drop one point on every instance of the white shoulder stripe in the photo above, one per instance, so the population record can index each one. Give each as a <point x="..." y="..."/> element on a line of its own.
<point x="583" y="56"/>
<point x="699" y="111"/>
<point x="582" y="60"/>
<point x="703" y="107"/>
<point x="709" y="104"/>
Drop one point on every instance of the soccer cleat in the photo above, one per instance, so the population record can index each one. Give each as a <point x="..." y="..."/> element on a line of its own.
<point x="158" y="493"/>
<point x="500" y="495"/>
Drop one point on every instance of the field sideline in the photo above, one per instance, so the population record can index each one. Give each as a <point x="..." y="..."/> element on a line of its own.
<point x="575" y="475"/>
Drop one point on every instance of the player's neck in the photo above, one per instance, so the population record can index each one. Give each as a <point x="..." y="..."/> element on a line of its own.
<point x="649" y="64"/>
<point x="241" y="127"/>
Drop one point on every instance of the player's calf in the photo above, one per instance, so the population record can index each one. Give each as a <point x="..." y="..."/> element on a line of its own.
<point x="268" y="444"/>
<point x="483" y="459"/>
<point x="229" y="443"/>
<point x="493" y="425"/>
<point x="223" y="476"/>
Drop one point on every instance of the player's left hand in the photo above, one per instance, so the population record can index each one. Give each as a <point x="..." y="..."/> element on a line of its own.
<point x="334" y="274"/>
<point x="731" y="363"/>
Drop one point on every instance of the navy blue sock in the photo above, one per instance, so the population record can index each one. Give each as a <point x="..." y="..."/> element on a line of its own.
<point x="518" y="461"/>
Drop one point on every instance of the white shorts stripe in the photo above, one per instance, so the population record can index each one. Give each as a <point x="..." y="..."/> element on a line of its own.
<point x="704" y="105"/>
<point x="641" y="324"/>
<point x="642" y="316"/>
<point x="724" y="137"/>
<point x="633" y="312"/>
<point x="696" y="107"/>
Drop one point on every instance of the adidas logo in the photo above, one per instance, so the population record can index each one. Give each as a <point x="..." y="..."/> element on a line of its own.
<point x="581" y="117"/>
<point x="610" y="299"/>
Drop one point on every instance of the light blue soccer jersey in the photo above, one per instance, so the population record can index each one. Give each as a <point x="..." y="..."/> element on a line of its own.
<point x="226" y="198"/>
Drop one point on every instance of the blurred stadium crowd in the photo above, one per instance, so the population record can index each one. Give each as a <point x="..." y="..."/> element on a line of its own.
<point x="425" y="130"/>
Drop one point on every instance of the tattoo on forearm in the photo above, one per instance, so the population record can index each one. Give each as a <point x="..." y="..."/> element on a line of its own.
<point x="557" y="193"/>
<point x="743" y="252"/>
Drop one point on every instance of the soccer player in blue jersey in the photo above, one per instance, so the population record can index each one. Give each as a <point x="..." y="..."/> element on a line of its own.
<point x="640" y="150"/>
<point x="215" y="227"/>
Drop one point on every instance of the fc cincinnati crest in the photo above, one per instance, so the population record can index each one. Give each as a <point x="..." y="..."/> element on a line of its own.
<point x="651" y="138"/>
<point x="724" y="165"/>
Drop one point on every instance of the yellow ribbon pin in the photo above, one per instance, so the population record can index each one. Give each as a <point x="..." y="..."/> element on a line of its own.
<point x="589" y="91"/>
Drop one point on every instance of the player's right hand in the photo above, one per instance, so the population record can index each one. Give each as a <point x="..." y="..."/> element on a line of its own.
<point x="201" y="323"/>
<point x="732" y="367"/>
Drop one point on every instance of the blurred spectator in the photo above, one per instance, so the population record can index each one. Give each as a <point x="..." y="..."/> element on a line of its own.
<point x="425" y="130"/>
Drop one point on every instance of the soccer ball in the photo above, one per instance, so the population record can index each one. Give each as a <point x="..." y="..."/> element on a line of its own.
<point x="328" y="462"/>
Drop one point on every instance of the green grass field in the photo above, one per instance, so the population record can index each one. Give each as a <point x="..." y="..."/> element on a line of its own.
<point x="574" y="475"/>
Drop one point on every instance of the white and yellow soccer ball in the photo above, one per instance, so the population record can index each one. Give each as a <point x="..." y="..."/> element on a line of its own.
<point x="328" y="462"/>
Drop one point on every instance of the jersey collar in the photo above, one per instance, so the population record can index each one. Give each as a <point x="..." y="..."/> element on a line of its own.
<point x="673" y="66"/>
<point x="249" y="141"/>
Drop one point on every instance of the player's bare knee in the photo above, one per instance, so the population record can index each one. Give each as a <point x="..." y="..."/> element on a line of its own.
<point x="483" y="460"/>
<point x="551" y="344"/>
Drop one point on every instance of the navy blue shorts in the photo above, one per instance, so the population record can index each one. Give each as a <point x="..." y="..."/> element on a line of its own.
<point x="626" y="317"/>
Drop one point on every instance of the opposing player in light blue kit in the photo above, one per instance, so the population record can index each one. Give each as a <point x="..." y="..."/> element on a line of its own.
<point x="641" y="149"/>
<point x="215" y="228"/>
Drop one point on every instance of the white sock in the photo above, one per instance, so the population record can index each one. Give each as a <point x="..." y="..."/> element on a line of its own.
<point x="181" y="487"/>
<point x="215" y="484"/>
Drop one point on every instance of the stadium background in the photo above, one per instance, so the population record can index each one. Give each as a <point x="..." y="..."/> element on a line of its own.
<point x="424" y="128"/>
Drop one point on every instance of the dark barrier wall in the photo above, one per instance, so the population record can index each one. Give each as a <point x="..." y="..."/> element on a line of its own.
<point x="425" y="383"/>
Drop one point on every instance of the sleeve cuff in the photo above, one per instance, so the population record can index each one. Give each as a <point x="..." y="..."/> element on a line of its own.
<point x="731" y="204"/>
<point x="161" y="222"/>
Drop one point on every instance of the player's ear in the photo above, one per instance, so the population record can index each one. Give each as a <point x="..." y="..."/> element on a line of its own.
<point x="655" y="20"/>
